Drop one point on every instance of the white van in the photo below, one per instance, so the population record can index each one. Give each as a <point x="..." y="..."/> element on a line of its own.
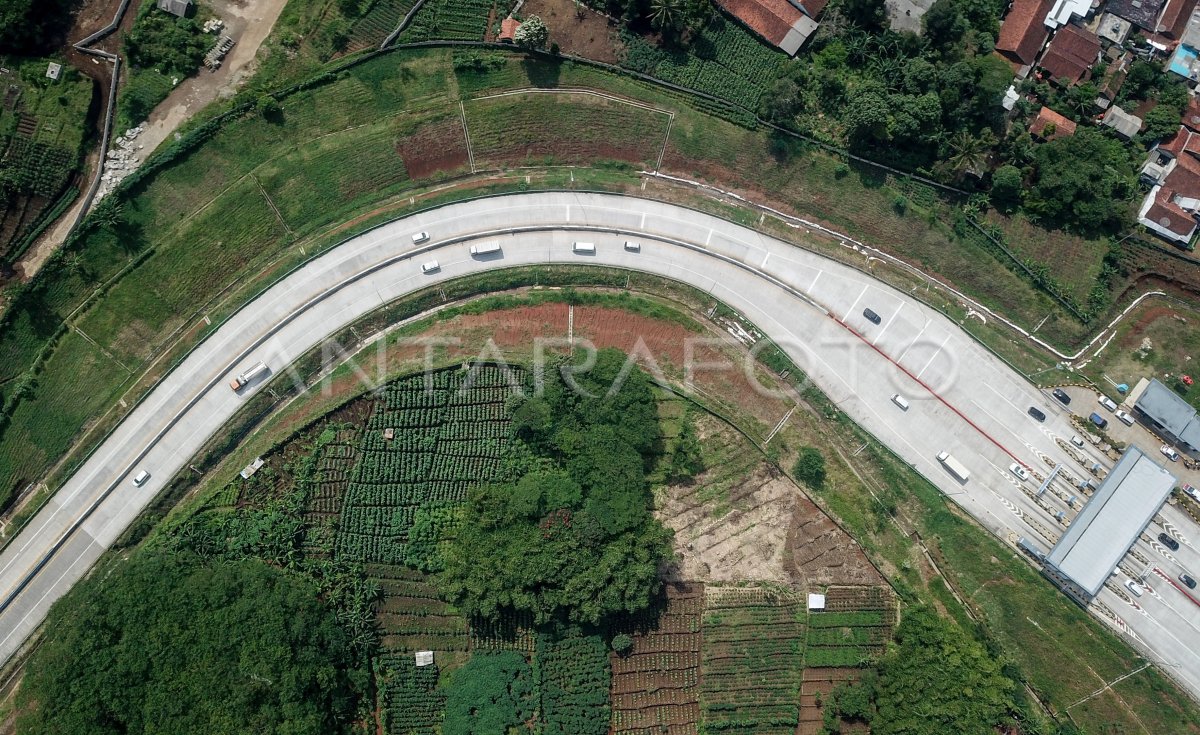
<point x="633" y="247"/>
<point x="586" y="248"/>
<point x="420" y="237"/>
<point x="141" y="478"/>
<point x="485" y="248"/>
<point x="900" y="401"/>
<point x="1134" y="588"/>
<point x="431" y="267"/>
<point x="1107" y="403"/>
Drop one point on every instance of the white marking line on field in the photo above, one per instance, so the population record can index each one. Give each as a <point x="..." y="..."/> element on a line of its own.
<point x="467" y="134"/>
<point x="935" y="354"/>
<point x="850" y="312"/>
<point x="889" y="322"/>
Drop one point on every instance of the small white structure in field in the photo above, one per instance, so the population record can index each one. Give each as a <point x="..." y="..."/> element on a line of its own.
<point x="424" y="658"/>
<point x="53" y="71"/>
<point x="816" y="602"/>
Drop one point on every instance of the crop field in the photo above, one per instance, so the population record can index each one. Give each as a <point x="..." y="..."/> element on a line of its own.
<point x="532" y="128"/>
<point x="853" y="628"/>
<point x="752" y="660"/>
<point x="451" y="20"/>
<point x="655" y="687"/>
<point x="816" y="685"/>
<point x="412" y="616"/>
<point x="437" y="146"/>
<point x="449" y="435"/>
<point x="369" y="30"/>
<point x="410" y="699"/>
<point x="573" y="676"/>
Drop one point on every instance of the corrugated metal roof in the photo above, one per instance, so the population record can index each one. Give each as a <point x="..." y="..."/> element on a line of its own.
<point x="1111" y="521"/>
<point x="1162" y="404"/>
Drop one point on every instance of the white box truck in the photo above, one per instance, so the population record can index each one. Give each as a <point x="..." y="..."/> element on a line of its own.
<point x="240" y="381"/>
<point x="956" y="468"/>
<point x="586" y="248"/>
<point x="486" y="248"/>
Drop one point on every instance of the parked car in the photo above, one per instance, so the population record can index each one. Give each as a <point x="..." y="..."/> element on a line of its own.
<point x="1021" y="473"/>
<point x="1169" y="453"/>
<point x="1168" y="542"/>
<point x="1098" y="420"/>
<point x="1134" y="588"/>
<point x="1062" y="396"/>
<point x="1036" y="412"/>
<point x="141" y="478"/>
<point x="1125" y="418"/>
<point x="1187" y="581"/>
<point x="1191" y="492"/>
<point x="1107" y="403"/>
<point x="1077" y="441"/>
<point x="871" y="316"/>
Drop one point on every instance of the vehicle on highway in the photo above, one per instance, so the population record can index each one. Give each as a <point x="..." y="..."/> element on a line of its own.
<point x="1134" y="587"/>
<point x="1077" y="441"/>
<point x="1062" y="396"/>
<point x="240" y="381"/>
<point x="1107" y="403"/>
<point x="585" y="248"/>
<point x="900" y="401"/>
<point x="1169" y="453"/>
<point x="431" y="267"/>
<point x="956" y="468"/>
<point x="1098" y="420"/>
<point x="633" y="247"/>
<point x="1168" y="542"/>
<point x="1021" y="473"/>
<point x="420" y="237"/>
<point x="871" y="316"/>
<point x="1187" y="581"/>
<point x="141" y="478"/>
<point x="1125" y="417"/>
<point x="486" y="248"/>
<point x="1036" y="412"/>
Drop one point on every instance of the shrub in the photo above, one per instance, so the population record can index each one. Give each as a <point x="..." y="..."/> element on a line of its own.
<point x="810" y="468"/>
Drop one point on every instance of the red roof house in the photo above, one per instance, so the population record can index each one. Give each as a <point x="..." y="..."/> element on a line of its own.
<point x="508" y="29"/>
<point x="1071" y="53"/>
<point x="1172" y="207"/>
<point x="1046" y="117"/>
<point x="779" y="22"/>
<point x="1023" y="31"/>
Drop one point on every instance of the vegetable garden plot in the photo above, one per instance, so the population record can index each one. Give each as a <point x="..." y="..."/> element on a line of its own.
<point x="411" y="614"/>
<point x="512" y="632"/>
<point x="752" y="660"/>
<point x="655" y="686"/>
<point x="853" y="629"/>
<point x="409" y="696"/>
<point x="450" y="431"/>
<point x="573" y="677"/>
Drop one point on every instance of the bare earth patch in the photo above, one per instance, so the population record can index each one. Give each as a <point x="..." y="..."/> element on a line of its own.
<point x="578" y="30"/>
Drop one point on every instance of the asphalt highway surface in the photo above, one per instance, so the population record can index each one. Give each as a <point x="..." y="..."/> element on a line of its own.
<point x="962" y="398"/>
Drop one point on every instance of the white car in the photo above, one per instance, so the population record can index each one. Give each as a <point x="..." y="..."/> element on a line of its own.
<point x="420" y="237"/>
<point x="141" y="478"/>
<point x="1135" y="588"/>
<point x="1125" y="418"/>
<point x="1107" y="403"/>
<point x="431" y="267"/>
<point x="633" y="247"/>
<point x="1021" y="473"/>
<point x="1169" y="453"/>
<point x="1077" y="441"/>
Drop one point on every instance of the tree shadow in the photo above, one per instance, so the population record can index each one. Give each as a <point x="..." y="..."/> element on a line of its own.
<point x="542" y="73"/>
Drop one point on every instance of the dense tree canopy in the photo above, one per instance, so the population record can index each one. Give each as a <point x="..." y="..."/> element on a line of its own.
<point x="30" y="26"/>
<point x="1083" y="181"/>
<point x="572" y="535"/>
<point x="490" y="694"/>
<point x="161" y="41"/>
<point x="168" y="644"/>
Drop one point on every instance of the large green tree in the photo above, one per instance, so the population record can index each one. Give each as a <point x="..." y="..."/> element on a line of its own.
<point x="170" y="644"/>
<point x="572" y="536"/>
<point x="1083" y="182"/>
<point x="31" y="26"/>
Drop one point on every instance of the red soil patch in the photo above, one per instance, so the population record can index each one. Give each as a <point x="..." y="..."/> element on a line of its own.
<point x="435" y="147"/>
<point x="577" y="29"/>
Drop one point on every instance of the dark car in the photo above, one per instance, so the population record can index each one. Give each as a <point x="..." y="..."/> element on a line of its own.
<point x="1187" y="580"/>
<point x="1062" y="396"/>
<point x="1036" y="412"/>
<point x="871" y="316"/>
<point x="1168" y="542"/>
<point x="1098" y="420"/>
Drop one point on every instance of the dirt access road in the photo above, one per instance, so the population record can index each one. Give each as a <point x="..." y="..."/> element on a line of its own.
<point x="248" y="22"/>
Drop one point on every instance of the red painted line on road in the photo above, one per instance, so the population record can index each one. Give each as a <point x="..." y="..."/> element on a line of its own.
<point x="1175" y="584"/>
<point x="932" y="392"/>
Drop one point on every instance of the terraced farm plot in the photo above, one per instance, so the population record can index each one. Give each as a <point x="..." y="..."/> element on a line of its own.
<point x="854" y="627"/>
<point x="438" y="146"/>
<point x="448" y="434"/>
<point x="412" y="616"/>
<point x="374" y="26"/>
<point x="565" y="127"/>
<point x="752" y="660"/>
<point x="409" y="696"/>
<point x="463" y="20"/>
<point x="573" y="677"/>
<point x="655" y="687"/>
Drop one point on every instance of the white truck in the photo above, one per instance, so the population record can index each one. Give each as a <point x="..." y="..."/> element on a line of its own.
<point x="240" y="381"/>
<point x="956" y="468"/>
<point x="586" y="248"/>
<point x="486" y="248"/>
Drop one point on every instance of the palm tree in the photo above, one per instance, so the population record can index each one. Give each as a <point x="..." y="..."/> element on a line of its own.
<point x="968" y="152"/>
<point x="663" y="12"/>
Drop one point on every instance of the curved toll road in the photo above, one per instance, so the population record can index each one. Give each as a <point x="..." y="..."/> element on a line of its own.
<point x="962" y="398"/>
